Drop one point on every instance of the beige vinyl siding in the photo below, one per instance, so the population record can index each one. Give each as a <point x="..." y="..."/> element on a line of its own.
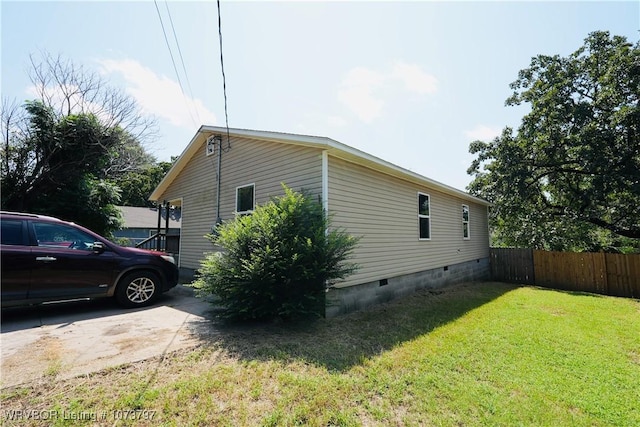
<point x="265" y="164"/>
<point x="384" y="211"/>
<point x="196" y="186"/>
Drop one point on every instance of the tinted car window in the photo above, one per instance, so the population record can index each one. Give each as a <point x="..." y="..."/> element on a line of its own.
<point x="11" y="232"/>
<point x="62" y="236"/>
<point x="70" y="262"/>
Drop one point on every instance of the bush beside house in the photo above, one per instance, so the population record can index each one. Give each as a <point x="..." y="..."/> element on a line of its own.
<point x="277" y="262"/>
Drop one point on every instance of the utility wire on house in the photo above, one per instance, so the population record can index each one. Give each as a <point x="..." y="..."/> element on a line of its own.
<point x="224" y="79"/>
<point x="166" y="39"/>
<point x="184" y="69"/>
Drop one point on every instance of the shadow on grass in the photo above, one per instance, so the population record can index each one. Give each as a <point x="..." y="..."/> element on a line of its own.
<point x="570" y="292"/>
<point x="342" y="342"/>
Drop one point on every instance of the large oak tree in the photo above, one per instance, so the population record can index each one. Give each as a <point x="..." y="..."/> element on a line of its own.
<point x="569" y="177"/>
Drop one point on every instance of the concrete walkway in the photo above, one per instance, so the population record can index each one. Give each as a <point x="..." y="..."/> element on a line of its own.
<point x="70" y="339"/>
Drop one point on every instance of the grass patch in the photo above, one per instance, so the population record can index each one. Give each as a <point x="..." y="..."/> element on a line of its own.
<point x="474" y="354"/>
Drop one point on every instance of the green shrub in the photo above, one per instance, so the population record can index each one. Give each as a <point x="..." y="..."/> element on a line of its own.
<point x="277" y="262"/>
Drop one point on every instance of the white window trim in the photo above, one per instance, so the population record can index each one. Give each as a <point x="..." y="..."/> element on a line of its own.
<point x="253" y="185"/>
<point x="468" y="222"/>
<point x="424" y="216"/>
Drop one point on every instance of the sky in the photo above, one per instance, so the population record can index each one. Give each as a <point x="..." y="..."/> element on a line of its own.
<point x="410" y="82"/>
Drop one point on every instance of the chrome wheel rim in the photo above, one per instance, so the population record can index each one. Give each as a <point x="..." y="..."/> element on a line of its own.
<point x="140" y="290"/>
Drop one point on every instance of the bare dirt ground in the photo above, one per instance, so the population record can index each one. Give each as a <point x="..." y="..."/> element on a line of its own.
<point x="71" y="339"/>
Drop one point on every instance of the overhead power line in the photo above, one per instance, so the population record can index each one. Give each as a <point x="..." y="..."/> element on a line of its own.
<point x="224" y="79"/>
<point x="174" y="63"/>
<point x="184" y="69"/>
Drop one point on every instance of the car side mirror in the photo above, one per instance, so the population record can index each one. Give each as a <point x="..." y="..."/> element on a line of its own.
<point x="98" y="247"/>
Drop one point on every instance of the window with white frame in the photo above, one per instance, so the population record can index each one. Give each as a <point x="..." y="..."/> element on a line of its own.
<point x="424" y="216"/>
<point x="465" y="222"/>
<point x="245" y="199"/>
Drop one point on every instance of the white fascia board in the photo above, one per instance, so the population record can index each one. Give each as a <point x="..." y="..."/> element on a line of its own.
<point x="290" y="138"/>
<point x="360" y="157"/>
<point x="334" y="148"/>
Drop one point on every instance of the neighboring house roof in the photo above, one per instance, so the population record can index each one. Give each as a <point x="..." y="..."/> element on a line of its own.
<point x="334" y="148"/>
<point x="140" y="217"/>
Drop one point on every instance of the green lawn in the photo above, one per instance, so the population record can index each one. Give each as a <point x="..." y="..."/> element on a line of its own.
<point x="473" y="354"/>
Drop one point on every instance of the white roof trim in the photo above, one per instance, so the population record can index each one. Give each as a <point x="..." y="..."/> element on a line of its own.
<point x="334" y="148"/>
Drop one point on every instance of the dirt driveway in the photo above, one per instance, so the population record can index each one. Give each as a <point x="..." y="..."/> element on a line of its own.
<point x="70" y="339"/>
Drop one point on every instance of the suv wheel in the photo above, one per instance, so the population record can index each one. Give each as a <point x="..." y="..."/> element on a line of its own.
<point x="138" y="289"/>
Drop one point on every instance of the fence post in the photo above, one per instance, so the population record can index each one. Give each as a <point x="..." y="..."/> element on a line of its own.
<point x="606" y="273"/>
<point x="533" y="267"/>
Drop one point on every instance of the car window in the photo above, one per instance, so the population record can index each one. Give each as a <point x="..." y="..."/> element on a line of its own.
<point x="11" y="232"/>
<point x="62" y="236"/>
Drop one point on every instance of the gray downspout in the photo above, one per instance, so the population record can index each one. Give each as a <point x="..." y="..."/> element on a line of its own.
<point x="218" y="219"/>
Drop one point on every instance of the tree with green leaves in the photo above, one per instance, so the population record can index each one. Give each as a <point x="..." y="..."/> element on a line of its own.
<point x="277" y="262"/>
<point x="55" y="168"/>
<point x="569" y="178"/>
<point x="62" y="153"/>
<point x="137" y="185"/>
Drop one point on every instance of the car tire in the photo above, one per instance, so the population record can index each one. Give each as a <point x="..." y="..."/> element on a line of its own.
<point x="138" y="289"/>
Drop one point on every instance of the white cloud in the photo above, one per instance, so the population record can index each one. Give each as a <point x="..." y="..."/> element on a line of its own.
<point x="336" y="121"/>
<point x="159" y="95"/>
<point x="357" y="90"/>
<point x="414" y="78"/>
<point x="363" y="90"/>
<point x="483" y="133"/>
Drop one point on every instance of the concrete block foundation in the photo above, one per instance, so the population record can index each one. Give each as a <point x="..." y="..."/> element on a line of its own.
<point x="353" y="298"/>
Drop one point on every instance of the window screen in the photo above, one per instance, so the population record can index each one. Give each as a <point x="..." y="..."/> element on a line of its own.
<point x="424" y="216"/>
<point x="245" y="199"/>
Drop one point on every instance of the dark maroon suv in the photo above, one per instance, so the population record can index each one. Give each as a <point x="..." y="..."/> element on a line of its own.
<point x="45" y="259"/>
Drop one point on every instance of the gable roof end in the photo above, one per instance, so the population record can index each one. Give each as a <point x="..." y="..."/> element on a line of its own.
<point x="333" y="147"/>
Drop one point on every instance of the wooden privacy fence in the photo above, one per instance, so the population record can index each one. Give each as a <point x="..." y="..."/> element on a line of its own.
<point x="602" y="273"/>
<point x="512" y="265"/>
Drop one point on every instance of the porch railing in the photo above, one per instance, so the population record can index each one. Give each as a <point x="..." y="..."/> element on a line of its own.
<point x="161" y="242"/>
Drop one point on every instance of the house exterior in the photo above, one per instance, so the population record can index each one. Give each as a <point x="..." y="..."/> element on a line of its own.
<point x="141" y="223"/>
<point x="415" y="232"/>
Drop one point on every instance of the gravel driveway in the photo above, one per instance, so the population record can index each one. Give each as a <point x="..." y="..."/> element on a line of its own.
<point x="70" y="339"/>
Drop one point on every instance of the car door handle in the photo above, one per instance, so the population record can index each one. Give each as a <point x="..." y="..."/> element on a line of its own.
<point x="46" y="258"/>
